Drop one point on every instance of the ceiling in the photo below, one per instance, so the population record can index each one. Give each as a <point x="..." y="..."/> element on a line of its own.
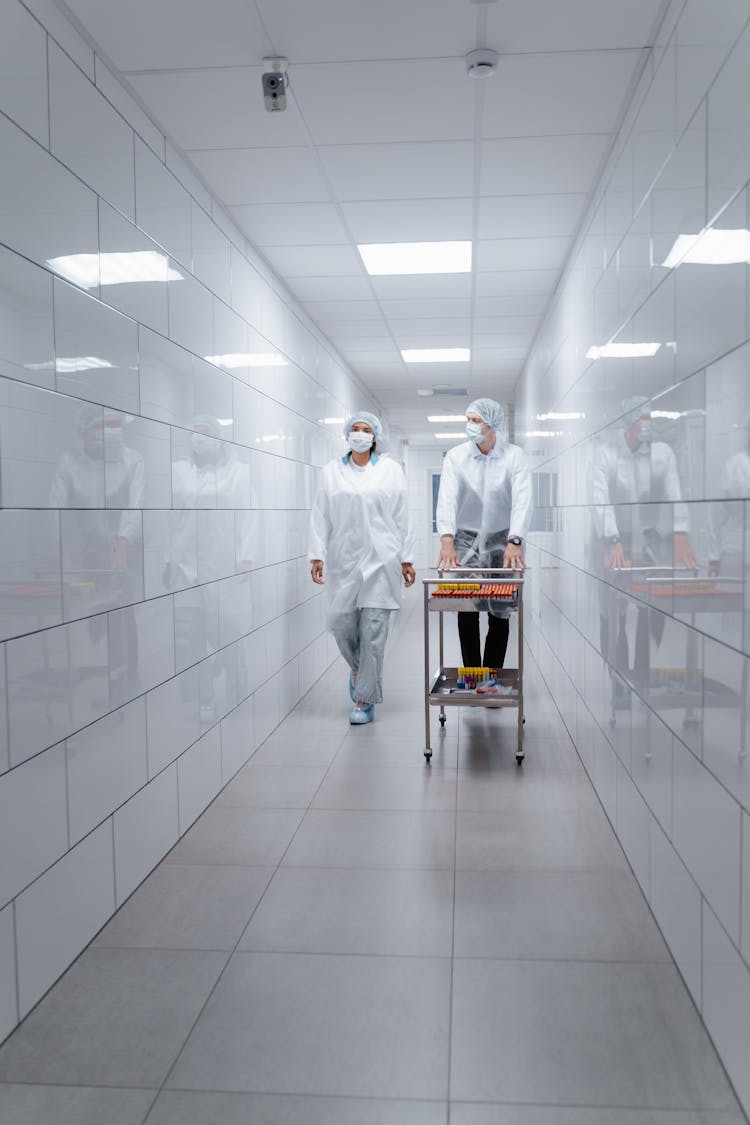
<point x="386" y="139"/>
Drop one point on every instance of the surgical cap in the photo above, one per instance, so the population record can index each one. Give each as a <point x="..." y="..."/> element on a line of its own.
<point x="488" y="410"/>
<point x="369" y="419"/>
<point x="633" y="407"/>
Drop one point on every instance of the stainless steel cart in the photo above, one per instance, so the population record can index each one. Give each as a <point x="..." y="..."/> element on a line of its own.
<point x="441" y="685"/>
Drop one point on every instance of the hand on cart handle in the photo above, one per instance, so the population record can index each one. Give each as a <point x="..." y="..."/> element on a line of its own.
<point x="615" y="559"/>
<point x="316" y="570"/>
<point x="513" y="557"/>
<point x="447" y="559"/>
<point x="683" y="551"/>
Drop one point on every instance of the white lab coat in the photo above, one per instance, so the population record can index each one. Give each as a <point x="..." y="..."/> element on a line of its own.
<point x="728" y="530"/>
<point x="642" y="477"/>
<point x="484" y="492"/>
<point x="359" y="527"/>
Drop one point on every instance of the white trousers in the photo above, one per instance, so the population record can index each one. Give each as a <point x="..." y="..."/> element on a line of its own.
<point x="361" y="635"/>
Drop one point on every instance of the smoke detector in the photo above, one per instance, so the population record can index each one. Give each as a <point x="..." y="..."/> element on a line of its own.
<point x="481" y="63"/>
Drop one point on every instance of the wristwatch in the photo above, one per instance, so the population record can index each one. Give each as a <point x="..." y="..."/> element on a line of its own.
<point x="515" y="540"/>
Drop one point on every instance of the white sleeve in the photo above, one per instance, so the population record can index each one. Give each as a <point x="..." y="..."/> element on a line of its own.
<point x="673" y="492"/>
<point x="520" y="496"/>
<point x="401" y="518"/>
<point x="320" y="524"/>
<point x="602" y="512"/>
<point x="447" y="501"/>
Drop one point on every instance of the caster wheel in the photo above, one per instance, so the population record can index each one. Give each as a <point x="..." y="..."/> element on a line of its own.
<point x="523" y="720"/>
<point x="519" y="758"/>
<point x="442" y="720"/>
<point x="428" y="755"/>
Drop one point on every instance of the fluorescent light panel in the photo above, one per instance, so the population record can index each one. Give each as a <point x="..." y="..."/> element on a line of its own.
<point x="436" y="355"/>
<point x="622" y="351"/>
<point x="390" y="258"/>
<point x="446" y="417"/>
<point x="90" y="270"/>
<point x="556" y="416"/>
<point x="451" y="435"/>
<point x="710" y="248"/>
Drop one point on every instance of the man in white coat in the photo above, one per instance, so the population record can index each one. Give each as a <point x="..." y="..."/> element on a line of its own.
<point x="359" y="533"/>
<point x="483" y="515"/>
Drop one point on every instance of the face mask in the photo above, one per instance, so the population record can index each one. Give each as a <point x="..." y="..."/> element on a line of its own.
<point x="359" y="442"/>
<point x="644" y="432"/>
<point x="474" y="431"/>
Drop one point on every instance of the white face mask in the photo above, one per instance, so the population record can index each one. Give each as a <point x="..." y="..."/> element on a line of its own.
<point x="360" y="442"/>
<point x="474" y="431"/>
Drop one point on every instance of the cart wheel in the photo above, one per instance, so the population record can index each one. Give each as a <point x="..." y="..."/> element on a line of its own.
<point x="523" y="720"/>
<point x="428" y="754"/>
<point x="520" y="757"/>
<point x="442" y="720"/>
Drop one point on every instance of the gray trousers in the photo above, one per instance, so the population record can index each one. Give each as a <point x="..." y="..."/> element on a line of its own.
<point x="361" y="636"/>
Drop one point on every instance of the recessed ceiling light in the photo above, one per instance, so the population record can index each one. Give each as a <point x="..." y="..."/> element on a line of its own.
<point x="436" y="355"/>
<point x="125" y="268"/>
<point x="332" y="421"/>
<point x="710" y="248"/>
<point x="622" y="351"/>
<point x="542" y="433"/>
<point x="451" y="435"/>
<point x="389" y="258"/>
<point x="555" y="416"/>
<point x="446" y="417"/>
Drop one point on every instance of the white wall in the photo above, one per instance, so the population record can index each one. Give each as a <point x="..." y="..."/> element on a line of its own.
<point x="664" y="739"/>
<point x="157" y="619"/>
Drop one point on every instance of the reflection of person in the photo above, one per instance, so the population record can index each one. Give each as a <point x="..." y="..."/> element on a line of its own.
<point x="483" y="515"/>
<point x="359" y="533"/>
<point x="729" y="551"/>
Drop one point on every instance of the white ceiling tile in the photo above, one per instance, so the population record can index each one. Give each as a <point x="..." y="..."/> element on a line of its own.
<point x="422" y="287"/>
<point x="332" y="30"/>
<point x="499" y="324"/>
<point x="241" y="176"/>
<point x="386" y="101"/>
<point x="332" y="311"/>
<point x="539" y="95"/>
<point x="314" y="261"/>
<point x="141" y="35"/>
<point x="528" y="165"/>
<point x="374" y="345"/>
<point x="521" y="216"/>
<point x="402" y="171"/>
<point x="520" y="254"/>
<point x="531" y="304"/>
<point x="548" y="25"/>
<point x="217" y="109"/>
<point x="425" y="329"/>
<point x="507" y="342"/>
<point x="329" y="288"/>
<point x="355" y="329"/>
<point x="410" y="220"/>
<point x="507" y="284"/>
<point x="291" y="224"/>
<point x="436" y="307"/>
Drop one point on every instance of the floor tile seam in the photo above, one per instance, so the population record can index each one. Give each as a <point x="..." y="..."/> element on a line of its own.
<point x="375" y="1098"/>
<point x="78" y="1085"/>
<point x="337" y="955"/>
<point x="348" y="867"/>
<point x="529" y="960"/>
<point x="730" y="1114"/>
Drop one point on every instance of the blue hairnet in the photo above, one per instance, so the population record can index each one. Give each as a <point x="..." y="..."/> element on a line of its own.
<point x="369" y="419"/>
<point x="488" y="410"/>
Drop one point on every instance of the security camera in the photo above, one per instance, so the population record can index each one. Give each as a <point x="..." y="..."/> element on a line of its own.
<point x="275" y="84"/>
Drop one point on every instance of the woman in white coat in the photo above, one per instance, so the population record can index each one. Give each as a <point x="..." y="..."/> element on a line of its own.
<point x="359" y="533"/>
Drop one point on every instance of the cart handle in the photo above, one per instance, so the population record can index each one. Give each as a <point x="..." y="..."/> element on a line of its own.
<point x="477" y="570"/>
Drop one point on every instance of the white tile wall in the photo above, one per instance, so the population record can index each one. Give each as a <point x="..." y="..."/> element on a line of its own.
<point x="668" y="665"/>
<point x="157" y="620"/>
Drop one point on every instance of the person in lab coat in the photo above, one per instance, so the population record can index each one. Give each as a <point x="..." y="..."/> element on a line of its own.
<point x="729" y="540"/>
<point x="483" y="515"/>
<point x="360" y="538"/>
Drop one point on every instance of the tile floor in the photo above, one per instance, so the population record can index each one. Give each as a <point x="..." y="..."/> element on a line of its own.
<point x="348" y="937"/>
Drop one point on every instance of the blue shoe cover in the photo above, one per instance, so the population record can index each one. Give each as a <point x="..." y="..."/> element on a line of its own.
<point x="360" y="715"/>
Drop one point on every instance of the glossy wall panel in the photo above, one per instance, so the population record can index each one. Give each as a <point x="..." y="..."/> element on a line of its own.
<point x="161" y="433"/>
<point x="639" y="590"/>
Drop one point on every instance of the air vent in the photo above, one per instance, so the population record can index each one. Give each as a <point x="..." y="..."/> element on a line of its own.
<point x="461" y="392"/>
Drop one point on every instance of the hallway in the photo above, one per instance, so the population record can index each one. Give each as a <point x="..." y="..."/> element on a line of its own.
<point x="346" y="937"/>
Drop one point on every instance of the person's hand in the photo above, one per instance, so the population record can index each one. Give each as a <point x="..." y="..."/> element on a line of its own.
<point x="683" y="551"/>
<point x="316" y="570"/>
<point x="120" y="554"/>
<point x="447" y="559"/>
<point x="513" y="557"/>
<point x="614" y="559"/>
<point x="409" y="574"/>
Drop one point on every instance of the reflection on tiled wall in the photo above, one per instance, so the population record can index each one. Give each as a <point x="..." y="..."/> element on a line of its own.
<point x="635" y="407"/>
<point x="159" y="446"/>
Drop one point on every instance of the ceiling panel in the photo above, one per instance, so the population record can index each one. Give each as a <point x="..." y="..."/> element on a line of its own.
<point x="143" y="35"/>
<point x="422" y="329"/>
<point x="549" y="25"/>
<point x="520" y="216"/>
<point x="531" y="304"/>
<point x="520" y="254"/>
<point x="332" y="30"/>
<point x="528" y="165"/>
<point x="314" y="261"/>
<point x="524" y="282"/>
<point x="410" y="220"/>
<point x="379" y="102"/>
<point x="332" y="311"/>
<point x="538" y="95"/>
<point x="218" y="109"/>
<point x="439" y="307"/>
<point x="355" y="329"/>
<point x="400" y="171"/>
<point x="423" y="287"/>
<point x="291" y="224"/>
<point x="329" y="288"/>
<point x="241" y="175"/>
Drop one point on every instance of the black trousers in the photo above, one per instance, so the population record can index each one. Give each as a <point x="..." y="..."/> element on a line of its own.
<point x="495" y="644"/>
